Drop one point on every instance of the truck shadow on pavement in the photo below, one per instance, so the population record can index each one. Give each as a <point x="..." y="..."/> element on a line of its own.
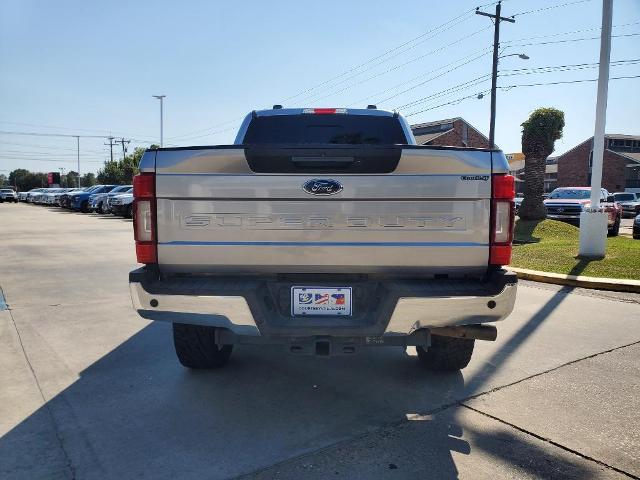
<point x="137" y="412"/>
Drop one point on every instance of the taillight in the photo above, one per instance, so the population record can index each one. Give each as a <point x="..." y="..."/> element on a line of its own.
<point x="502" y="215"/>
<point x="144" y="217"/>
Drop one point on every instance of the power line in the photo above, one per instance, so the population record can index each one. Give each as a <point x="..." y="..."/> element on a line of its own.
<point x="528" y="12"/>
<point x="9" y="157"/>
<point x="41" y="134"/>
<point x="62" y="128"/>
<point x="433" y="78"/>
<point x="50" y="147"/>
<point x="23" y="152"/>
<point x="415" y="41"/>
<point x="422" y="75"/>
<point x="509" y="87"/>
<point x="396" y="67"/>
<point x="564" y="68"/>
<point x="571" y="40"/>
<point x="466" y="13"/>
<point x="467" y="84"/>
<point x="571" y="32"/>
<point x="458" y="100"/>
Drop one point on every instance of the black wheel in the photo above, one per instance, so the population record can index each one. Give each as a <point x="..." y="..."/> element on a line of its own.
<point x="100" y="209"/>
<point x="84" y="207"/>
<point x="128" y="211"/>
<point x="446" y="353"/>
<point x="615" y="230"/>
<point x="196" y="346"/>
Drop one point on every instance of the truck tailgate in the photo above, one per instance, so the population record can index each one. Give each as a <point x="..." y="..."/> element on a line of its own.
<point x="413" y="209"/>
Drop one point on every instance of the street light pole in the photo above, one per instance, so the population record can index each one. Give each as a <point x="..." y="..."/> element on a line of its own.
<point x="593" y="222"/>
<point x="494" y="72"/>
<point x="161" y="98"/>
<point x="78" y="151"/>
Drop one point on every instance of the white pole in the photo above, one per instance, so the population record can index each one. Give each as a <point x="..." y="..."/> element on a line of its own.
<point x="593" y="223"/>
<point x="161" y="98"/>
<point x="78" y="151"/>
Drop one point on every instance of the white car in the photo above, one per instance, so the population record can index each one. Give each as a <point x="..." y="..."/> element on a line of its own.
<point x="122" y="205"/>
<point x="8" y="195"/>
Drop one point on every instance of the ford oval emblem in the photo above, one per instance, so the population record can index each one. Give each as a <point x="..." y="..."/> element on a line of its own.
<point x="322" y="186"/>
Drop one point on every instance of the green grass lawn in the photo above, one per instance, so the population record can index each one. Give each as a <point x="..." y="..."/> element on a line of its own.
<point x="552" y="246"/>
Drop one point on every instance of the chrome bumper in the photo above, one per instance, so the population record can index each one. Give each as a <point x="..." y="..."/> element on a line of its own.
<point x="402" y="311"/>
<point x="563" y="217"/>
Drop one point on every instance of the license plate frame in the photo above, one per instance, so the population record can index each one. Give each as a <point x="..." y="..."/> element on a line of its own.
<point x="321" y="301"/>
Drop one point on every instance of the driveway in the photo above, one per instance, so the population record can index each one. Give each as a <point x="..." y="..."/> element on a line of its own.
<point x="89" y="390"/>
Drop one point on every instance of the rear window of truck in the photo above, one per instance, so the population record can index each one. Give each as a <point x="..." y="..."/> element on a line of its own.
<point x="339" y="129"/>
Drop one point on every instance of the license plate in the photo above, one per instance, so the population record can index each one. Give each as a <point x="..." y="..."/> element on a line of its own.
<point x="326" y="301"/>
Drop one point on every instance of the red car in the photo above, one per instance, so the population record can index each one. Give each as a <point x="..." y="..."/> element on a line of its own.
<point x="566" y="204"/>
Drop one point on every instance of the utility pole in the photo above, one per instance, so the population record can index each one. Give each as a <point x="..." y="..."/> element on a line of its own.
<point x="593" y="221"/>
<point x="111" y="144"/>
<point x="124" y="148"/>
<point x="494" y="74"/>
<point x="78" y="151"/>
<point x="161" y="98"/>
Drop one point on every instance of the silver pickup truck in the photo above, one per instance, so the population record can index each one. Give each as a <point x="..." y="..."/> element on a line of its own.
<point x="325" y="231"/>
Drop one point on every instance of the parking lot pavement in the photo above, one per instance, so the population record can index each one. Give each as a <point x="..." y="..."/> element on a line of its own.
<point x="89" y="390"/>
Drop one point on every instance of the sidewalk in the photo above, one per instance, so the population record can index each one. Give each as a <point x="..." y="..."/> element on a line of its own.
<point x="615" y="284"/>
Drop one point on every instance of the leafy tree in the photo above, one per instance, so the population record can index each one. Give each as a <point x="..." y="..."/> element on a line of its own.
<point x="4" y="180"/>
<point x="539" y="134"/>
<point x="71" y="179"/>
<point x="26" y="180"/>
<point x="122" y="171"/>
<point x="88" y="180"/>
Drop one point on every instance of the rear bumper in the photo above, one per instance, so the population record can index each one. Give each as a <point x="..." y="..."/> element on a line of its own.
<point x="259" y="306"/>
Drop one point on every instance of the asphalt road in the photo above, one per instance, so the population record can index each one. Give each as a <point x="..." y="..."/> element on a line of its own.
<point x="90" y="391"/>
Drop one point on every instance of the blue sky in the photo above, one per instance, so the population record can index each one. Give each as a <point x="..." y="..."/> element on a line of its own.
<point x="90" y="68"/>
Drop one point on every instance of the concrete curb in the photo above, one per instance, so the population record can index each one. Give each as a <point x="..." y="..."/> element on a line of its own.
<point x="598" y="283"/>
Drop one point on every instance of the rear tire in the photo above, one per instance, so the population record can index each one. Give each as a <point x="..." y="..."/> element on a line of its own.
<point x="446" y="354"/>
<point x="100" y="210"/>
<point x="615" y="230"/>
<point x="128" y="211"/>
<point x="84" y="207"/>
<point x="196" y="346"/>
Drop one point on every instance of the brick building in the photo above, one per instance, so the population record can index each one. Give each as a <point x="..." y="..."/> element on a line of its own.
<point x="451" y="131"/>
<point x="621" y="164"/>
<point x="516" y="168"/>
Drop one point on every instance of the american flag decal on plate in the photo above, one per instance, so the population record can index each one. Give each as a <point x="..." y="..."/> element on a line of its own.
<point x="320" y="301"/>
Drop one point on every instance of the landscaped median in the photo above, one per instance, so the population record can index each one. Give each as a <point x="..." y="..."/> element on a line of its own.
<point x="552" y="246"/>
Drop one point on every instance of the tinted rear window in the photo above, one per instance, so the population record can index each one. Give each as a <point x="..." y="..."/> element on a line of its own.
<point x="625" y="197"/>
<point x="325" y="129"/>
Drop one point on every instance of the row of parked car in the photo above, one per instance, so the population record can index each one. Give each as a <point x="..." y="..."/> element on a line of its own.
<point x="115" y="199"/>
<point x="566" y="204"/>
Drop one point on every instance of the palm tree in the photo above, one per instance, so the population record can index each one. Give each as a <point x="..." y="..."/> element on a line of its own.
<point x="539" y="134"/>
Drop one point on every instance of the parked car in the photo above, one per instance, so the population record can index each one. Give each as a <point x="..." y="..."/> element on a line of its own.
<point x="328" y="232"/>
<point x="629" y="202"/>
<point x="8" y="195"/>
<point x="29" y="196"/>
<point x="65" y="198"/>
<point x="636" y="228"/>
<point x="108" y="207"/>
<point x="56" y="198"/>
<point x="80" y="200"/>
<point x="566" y="204"/>
<point x="122" y="205"/>
<point x="38" y="197"/>
<point x="48" y="197"/>
<point x="98" y="201"/>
